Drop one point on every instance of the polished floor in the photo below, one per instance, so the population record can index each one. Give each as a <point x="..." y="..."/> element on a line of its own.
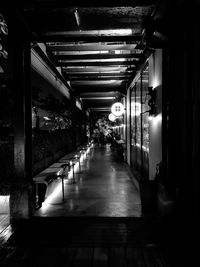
<point x="103" y="188"/>
<point x="99" y="223"/>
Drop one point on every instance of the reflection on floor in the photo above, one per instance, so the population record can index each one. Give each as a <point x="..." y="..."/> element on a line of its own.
<point x="103" y="188"/>
<point x="5" y="228"/>
<point x="99" y="224"/>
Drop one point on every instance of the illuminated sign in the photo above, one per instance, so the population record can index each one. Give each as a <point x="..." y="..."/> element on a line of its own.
<point x="117" y="109"/>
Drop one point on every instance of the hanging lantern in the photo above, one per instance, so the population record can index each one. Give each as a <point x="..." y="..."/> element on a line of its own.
<point x="117" y="109"/>
<point x="111" y="117"/>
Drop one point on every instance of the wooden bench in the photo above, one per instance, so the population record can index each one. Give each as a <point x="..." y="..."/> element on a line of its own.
<point x="46" y="180"/>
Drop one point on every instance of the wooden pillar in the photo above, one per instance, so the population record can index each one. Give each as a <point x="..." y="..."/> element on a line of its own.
<point x="184" y="114"/>
<point x="192" y="111"/>
<point x="85" y="126"/>
<point x="21" y="188"/>
<point x="128" y="126"/>
<point x="74" y="123"/>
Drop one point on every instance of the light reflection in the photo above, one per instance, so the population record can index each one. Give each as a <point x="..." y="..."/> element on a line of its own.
<point x="135" y="109"/>
<point x="94" y="60"/>
<point x="52" y="197"/>
<point x="156" y="81"/>
<point x="155" y="119"/>
<point x="4" y="204"/>
<point x="57" y="192"/>
<point x="109" y="32"/>
<point x="150" y="118"/>
<point x="8" y="231"/>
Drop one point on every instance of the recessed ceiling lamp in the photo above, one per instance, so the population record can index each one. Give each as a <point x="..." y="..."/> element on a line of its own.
<point x="77" y="17"/>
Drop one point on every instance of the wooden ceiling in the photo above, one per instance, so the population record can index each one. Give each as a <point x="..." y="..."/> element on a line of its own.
<point x="97" y="45"/>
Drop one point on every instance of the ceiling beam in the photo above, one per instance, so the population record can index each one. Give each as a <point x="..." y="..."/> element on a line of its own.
<point x="84" y="91"/>
<point x="98" y="78"/>
<point x="93" y="86"/>
<point x="87" y="3"/>
<point x="93" y="47"/>
<point x="99" y="74"/>
<point x="105" y="89"/>
<point x="111" y="63"/>
<point x="98" y="93"/>
<point x="97" y="98"/>
<point x="133" y="56"/>
<point x="99" y="109"/>
<point x="43" y="56"/>
<point x="62" y="37"/>
<point x="96" y="69"/>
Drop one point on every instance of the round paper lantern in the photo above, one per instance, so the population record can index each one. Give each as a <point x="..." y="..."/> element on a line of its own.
<point x="111" y="117"/>
<point x="117" y="109"/>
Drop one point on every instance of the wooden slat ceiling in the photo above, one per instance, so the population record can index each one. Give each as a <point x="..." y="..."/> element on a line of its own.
<point x="98" y="48"/>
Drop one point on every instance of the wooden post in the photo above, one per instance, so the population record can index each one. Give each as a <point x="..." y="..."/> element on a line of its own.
<point x="21" y="188"/>
<point x="73" y="110"/>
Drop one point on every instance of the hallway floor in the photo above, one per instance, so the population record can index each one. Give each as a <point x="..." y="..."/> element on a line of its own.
<point x="103" y="188"/>
<point x="98" y="225"/>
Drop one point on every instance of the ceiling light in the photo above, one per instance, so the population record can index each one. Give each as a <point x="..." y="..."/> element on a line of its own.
<point x="115" y="32"/>
<point x="93" y="60"/>
<point x="98" y="98"/>
<point x="77" y="17"/>
<point x="135" y="109"/>
<point x="47" y="118"/>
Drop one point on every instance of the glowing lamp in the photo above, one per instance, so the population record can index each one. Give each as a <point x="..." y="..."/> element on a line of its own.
<point x="136" y="108"/>
<point x="111" y="117"/>
<point x="117" y="109"/>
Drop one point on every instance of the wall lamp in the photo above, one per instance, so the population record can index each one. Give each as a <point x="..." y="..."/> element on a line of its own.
<point x="152" y="101"/>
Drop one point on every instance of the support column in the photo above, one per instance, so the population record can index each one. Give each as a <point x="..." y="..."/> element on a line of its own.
<point x="73" y="110"/>
<point x="21" y="188"/>
<point x="128" y="127"/>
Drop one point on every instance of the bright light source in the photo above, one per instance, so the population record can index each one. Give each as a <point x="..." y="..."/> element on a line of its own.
<point x="111" y="117"/>
<point x="117" y="109"/>
<point x="77" y="17"/>
<point x="156" y="119"/>
<point x="108" y="32"/>
<point x="93" y="60"/>
<point x="98" y="98"/>
<point x="150" y="118"/>
<point x="47" y="118"/>
<point x="52" y="197"/>
<point x="4" y="204"/>
<point x="135" y="109"/>
<point x="145" y="148"/>
<point x="78" y="104"/>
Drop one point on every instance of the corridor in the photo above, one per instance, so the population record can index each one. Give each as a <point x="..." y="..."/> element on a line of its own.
<point x="99" y="223"/>
<point x="73" y="73"/>
<point x="103" y="188"/>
